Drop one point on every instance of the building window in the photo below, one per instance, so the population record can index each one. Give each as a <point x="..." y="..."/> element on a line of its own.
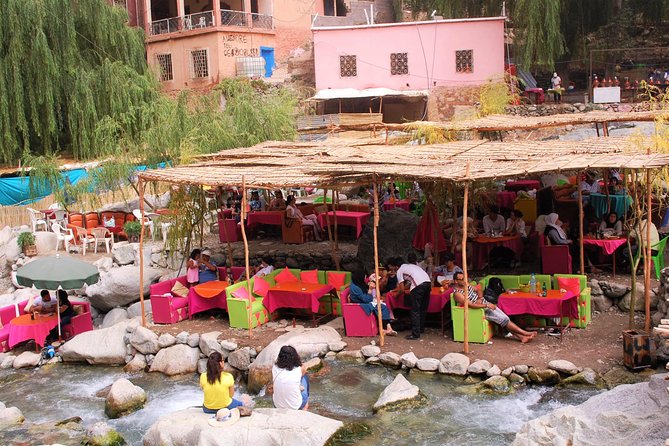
<point x="165" y="67"/>
<point x="464" y="61"/>
<point x="121" y="4"/>
<point x="348" y="66"/>
<point x="199" y="64"/>
<point x="399" y="64"/>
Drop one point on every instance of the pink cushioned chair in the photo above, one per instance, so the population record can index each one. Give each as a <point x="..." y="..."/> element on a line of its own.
<point x="165" y="306"/>
<point x="555" y="259"/>
<point x="356" y="321"/>
<point x="8" y="313"/>
<point x="81" y="322"/>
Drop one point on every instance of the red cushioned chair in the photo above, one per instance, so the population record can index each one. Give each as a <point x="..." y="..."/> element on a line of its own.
<point x="356" y="321"/>
<point x="555" y="259"/>
<point x="165" y="306"/>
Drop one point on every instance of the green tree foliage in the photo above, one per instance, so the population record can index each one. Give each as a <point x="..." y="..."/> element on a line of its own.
<point x="546" y="30"/>
<point x="64" y="65"/>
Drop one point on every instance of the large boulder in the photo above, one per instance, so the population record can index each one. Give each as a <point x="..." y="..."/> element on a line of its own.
<point x="601" y="303"/>
<point x="545" y="377"/>
<point x="123" y="253"/>
<point x="428" y="364"/>
<point x="145" y="341"/>
<point x="176" y="360"/>
<point x="454" y="364"/>
<point x="240" y="359"/>
<point x="102" y="434"/>
<point x="624" y="303"/>
<point x="628" y="414"/>
<point x="497" y="384"/>
<point x="479" y="367"/>
<point x="26" y="359"/>
<point x="563" y="366"/>
<point x="390" y="359"/>
<point x="399" y="391"/>
<point x="45" y="242"/>
<point x="10" y="416"/>
<point x="123" y="398"/>
<point x="12" y="250"/>
<point x="208" y="342"/>
<point x="103" y="346"/>
<point x="265" y="427"/>
<point x="135" y="309"/>
<point x="309" y="342"/>
<point x="396" y="230"/>
<point x="613" y="290"/>
<point x="120" y="287"/>
<point x="114" y="316"/>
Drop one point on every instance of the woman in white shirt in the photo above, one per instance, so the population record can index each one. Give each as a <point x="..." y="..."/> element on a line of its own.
<point x="515" y="225"/>
<point x="290" y="382"/>
<point x="293" y="212"/>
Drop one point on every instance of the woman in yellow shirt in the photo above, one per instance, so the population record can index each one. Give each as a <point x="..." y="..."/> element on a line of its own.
<point x="218" y="386"/>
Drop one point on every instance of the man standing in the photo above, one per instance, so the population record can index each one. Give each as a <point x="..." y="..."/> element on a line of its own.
<point x="419" y="284"/>
<point x="208" y="269"/>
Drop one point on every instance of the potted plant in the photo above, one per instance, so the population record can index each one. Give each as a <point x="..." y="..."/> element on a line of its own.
<point x="132" y="230"/>
<point x="26" y="241"/>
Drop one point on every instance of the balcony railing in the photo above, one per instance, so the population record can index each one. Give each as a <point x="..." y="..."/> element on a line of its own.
<point x="233" y="18"/>
<point x="262" y="21"/>
<point x="199" y="20"/>
<point x="205" y="19"/>
<point x="164" y="26"/>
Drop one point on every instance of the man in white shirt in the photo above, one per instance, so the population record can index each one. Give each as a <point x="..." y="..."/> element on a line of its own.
<point x="590" y="185"/>
<point x="420" y="285"/>
<point x="44" y="303"/>
<point x="265" y="268"/>
<point x="493" y="222"/>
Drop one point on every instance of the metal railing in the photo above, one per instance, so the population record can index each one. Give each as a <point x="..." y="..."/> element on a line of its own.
<point x="233" y="18"/>
<point x="164" y="26"/>
<point x="262" y="21"/>
<point x="199" y="20"/>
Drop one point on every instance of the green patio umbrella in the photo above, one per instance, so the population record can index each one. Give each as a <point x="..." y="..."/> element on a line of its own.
<point x="51" y="273"/>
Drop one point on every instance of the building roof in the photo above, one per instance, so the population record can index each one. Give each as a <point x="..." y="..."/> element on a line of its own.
<point x="342" y="163"/>
<point x="351" y="93"/>
<point x="418" y="23"/>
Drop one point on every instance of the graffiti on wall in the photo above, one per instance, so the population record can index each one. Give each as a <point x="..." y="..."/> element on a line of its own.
<point x="237" y="45"/>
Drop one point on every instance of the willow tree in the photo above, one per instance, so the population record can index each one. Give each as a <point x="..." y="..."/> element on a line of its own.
<point x="64" y="66"/>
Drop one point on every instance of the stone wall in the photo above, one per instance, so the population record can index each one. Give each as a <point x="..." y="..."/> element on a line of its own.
<point x="445" y="103"/>
<point x="554" y="109"/>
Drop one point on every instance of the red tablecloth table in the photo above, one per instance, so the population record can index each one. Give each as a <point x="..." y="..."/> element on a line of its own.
<point x="439" y="299"/>
<point x="608" y="246"/>
<point x="506" y="199"/>
<point x="207" y="296"/>
<point x="522" y="185"/>
<point x="264" y="218"/>
<point x="358" y="220"/>
<point x="555" y="304"/>
<point x="484" y="244"/>
<point x="24" y="328"/>
<point x="402" y="204"/>
<point x="296" y="295"/>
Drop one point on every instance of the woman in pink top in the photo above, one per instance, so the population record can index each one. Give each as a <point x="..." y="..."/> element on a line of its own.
<point x="193" y="272"/>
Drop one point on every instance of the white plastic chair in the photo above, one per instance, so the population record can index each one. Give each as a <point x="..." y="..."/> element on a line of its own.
<point x="60" y="217"/>
<point x="147" y="221"/>
<point x="84" y="238"/>
<point x="37" y="219"/>
<point x="64" y="235"/>
<point x="102" y="235"/>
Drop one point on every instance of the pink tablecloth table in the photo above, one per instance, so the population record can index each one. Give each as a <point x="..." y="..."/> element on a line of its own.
<point x="484" y="244"/>
<point x="439" y="299"/>
<point x="402" y="204"/>
<point x="522" y="185"/>
<point x="264" y="218"/>
<point x="555" y="304"/>
<point x="608" y="246"/>
<point x="506" y="199"/>
<point x="24" y="328"/>
<point x="207" y="296"/>
<point x="296" y="295"/>
<point x="358" y="220"/>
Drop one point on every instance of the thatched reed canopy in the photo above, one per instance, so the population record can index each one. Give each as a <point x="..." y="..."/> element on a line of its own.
<point x="342" y="162"/>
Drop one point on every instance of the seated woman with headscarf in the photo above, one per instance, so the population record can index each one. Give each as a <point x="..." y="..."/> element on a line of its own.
<point x="359" y="293"/>
<point x="611" y="224"/>
<point x="554" y="231"/>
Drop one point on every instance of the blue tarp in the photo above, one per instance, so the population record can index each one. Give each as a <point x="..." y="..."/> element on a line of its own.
<point x="16" y="190"/>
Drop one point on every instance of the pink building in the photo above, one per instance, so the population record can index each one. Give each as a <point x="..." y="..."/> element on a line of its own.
<point x="409" y="56"/>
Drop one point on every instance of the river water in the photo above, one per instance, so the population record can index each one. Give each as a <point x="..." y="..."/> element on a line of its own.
<point x="347" y="392"/>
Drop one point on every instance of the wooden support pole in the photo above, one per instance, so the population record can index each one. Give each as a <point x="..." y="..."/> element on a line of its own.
<point x="333" y="249"/>
<point x="647" y="260"/>
<point x="464" y="258"/>
<point x="246" y="256"/>
<point x="376" y="263"/>
<point x="580" y="223"/>
<point x="141" y="251"/>
<point x="336" y="230"/>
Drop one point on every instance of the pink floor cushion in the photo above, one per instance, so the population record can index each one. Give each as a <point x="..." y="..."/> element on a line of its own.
<point x="260" y="286"/>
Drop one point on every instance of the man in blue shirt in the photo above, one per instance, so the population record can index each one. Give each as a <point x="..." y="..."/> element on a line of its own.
<point x="208" y="268"/>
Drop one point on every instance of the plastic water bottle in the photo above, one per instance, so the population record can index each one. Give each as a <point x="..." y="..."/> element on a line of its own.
<point x="533" y="283"/>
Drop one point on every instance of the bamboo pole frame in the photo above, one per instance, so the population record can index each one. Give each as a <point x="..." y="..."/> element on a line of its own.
<point x="647" y="260"/>
<point x="464" y="259"/>
<point x="376" y="264"/>
<point x="246" y="256"/>
<point x="141" y="251"/>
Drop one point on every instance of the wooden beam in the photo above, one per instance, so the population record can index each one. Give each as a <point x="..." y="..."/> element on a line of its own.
<point x="580" y="222"/>
<point x="464" y="258"/>
<point x="376" y="264"/>
<point x="141" y="251"/>
<point x="246" y="255"/>
<point x="647" y="260"/>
